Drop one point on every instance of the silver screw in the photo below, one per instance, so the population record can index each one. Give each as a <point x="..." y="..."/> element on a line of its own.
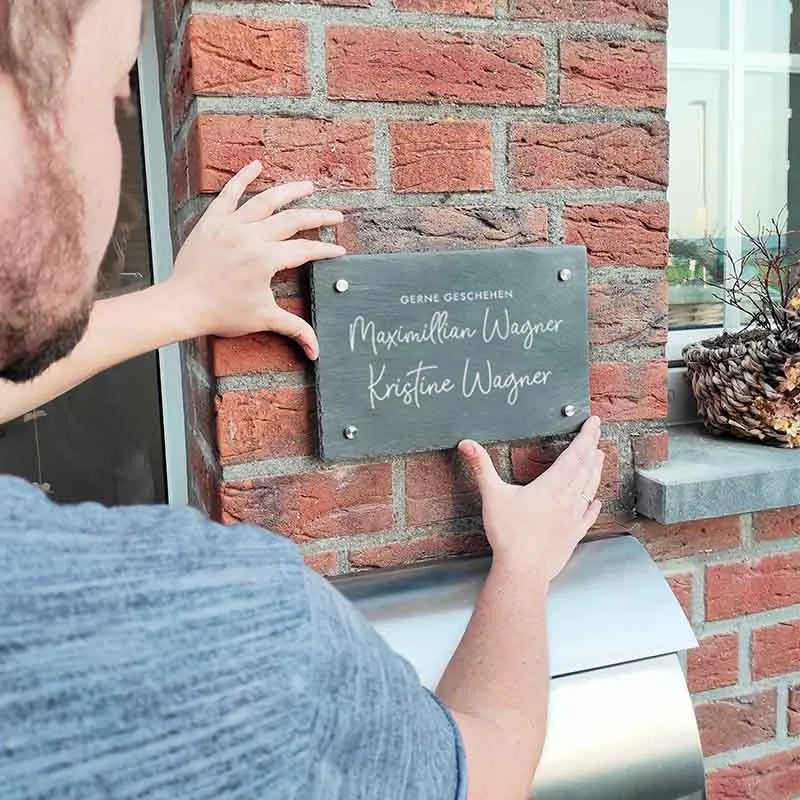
<point x="569" y="411"/>
<point x="350" y="432"/>
<point x="564" y="274"/>
<point x="341" y="285"/>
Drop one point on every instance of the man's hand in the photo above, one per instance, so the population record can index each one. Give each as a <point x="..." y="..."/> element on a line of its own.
<point x="497" y="682"/>
<point x="539" y="525"/>
<point x="221" y="282"/>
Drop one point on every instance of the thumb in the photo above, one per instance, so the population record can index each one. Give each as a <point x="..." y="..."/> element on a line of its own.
<point x="282" y="321"/>
<point x="480" y="462"/>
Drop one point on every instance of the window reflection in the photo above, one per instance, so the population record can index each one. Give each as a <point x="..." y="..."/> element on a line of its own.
<point x="733" y="138"/>
<point x="701" y="24"/>
<point x="772" y="26"/>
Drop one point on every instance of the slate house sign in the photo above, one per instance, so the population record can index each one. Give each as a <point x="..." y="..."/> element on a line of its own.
<point x="420" y="350"/>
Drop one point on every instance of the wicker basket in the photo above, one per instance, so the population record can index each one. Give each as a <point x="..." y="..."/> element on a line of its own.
<point x="748" y="384"/>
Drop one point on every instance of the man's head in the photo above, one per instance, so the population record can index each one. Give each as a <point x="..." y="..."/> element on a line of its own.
<point x="64" y="64"/>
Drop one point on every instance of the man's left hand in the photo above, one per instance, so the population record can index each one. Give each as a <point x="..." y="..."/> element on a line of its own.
<point x="222" y="278"/>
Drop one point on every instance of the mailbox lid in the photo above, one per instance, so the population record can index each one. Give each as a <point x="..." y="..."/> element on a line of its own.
<point x="611" y="605"/>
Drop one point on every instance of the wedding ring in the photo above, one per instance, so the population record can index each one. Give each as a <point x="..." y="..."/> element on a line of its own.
<point x="588" y="500"/>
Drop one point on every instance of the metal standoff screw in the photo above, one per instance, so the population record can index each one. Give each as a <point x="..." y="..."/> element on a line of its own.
<point x="564" y="274"/>
<point x="350" y="432"/>
<point x="569" y="411"/>
<point x="341" y="285"/>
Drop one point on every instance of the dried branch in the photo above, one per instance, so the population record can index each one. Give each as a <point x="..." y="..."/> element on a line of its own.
<point x="775" y="270"/>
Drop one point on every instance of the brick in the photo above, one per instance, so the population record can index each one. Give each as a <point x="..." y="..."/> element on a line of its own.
<point x="204" y="479"/>
<point x="168" y="21"/>
<point x="776" y="650"/>
<point x="428" y="66"/>
<point x="246" y="56"/>
<point x="650" y="449"/>
<point x="335" y="154"/>
<point x="774" y="777"/>
<point x="200" y="401"/>
<point x="793" y="711"/>
<point x="736" y="722"/>
<point x="626" y="74"/>
<point x="469" y="8"/>
<point x="745" y="588"/>
<point x="408" y="229"/>
<point x="627" y="235"/>
<point x="529" y="461"/>
<point x="297" y="279"/>
<point x="265" y="423"/>
<point x="261" y="352"/>
<point x="643" y="13"/>
<point x="317" y="505"/>
<point x="588" y="156"/>
<point x="610" y="523"/>
<point x="439" y="487"/>
<point x="324" y="563"/>
<point x="180" y="175"/>
<point x="623" y="392"/>
<point x="185" y="229"/>
<point x="441" y="156"/>
<point x="343" y="3"/>
<point x="681" y="586"/>
<point x="628" y="309"/>
<point x="714" y="664"/>
<point x="782" y="523"/>
<point x="687" y="538"/>
<point x="409" y="552"/>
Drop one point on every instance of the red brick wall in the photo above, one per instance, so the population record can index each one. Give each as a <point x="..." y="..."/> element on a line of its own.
<point x="440" y="124"/>
<point x="739" y="580"/>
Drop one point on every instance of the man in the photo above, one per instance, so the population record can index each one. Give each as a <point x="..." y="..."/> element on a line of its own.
<point x="148" y="653"/>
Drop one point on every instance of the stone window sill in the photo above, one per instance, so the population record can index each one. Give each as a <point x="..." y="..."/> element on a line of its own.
<point x="707" y="476"/>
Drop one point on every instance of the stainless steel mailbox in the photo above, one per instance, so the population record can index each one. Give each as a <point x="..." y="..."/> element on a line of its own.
<point x="621" y="723"/>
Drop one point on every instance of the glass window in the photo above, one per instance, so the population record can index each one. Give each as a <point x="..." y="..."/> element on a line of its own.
<point x="769" y="26"/>
<point x="698" y="117"/>
<point x="733" y="137"/>
<point x="699" y="24"/>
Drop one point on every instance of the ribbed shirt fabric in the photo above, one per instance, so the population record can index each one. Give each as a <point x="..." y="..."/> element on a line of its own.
<point x="149" y="654"/>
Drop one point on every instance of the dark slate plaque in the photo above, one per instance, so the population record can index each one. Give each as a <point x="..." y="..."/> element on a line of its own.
<point x="419" y="351"/>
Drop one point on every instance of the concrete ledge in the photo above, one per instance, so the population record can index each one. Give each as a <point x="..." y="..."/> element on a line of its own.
<point x="707" y="476"/>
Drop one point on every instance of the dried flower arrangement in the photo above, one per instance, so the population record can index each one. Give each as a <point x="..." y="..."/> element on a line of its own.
<point x="747" y="383"/>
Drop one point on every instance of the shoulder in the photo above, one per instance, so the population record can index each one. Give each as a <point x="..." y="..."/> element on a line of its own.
<point x="137" y="538"/>
<point x="126" y="621"/>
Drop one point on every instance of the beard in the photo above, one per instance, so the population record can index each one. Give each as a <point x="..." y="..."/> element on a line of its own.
<point x="44" y="302"/>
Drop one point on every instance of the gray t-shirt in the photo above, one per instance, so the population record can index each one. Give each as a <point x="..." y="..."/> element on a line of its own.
<point x="147" y="653"/>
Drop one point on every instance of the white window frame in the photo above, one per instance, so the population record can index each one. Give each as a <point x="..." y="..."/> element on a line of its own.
<point x="162" y="256"/>
<point x="736" y="63"/>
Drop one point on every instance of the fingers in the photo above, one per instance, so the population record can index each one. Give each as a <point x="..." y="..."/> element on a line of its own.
<point x="590" y="515"/>
<point x="572" y="466"/>
<point x="233" y="191"/>
<point x="266" y="203"/>
<point x="282" y="321"/>
<point x="288" y="223"/>
<point x="480" y="462"/>
<point x="595" y="473"/>
<point x="297" y="252"/>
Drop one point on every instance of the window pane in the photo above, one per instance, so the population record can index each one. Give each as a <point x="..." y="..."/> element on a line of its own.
<point x="770" y="163"/>
<point x="765" y="157"/>
<point x="700" y="24"/>
<point x="772" y="26"/>
<point x="697" y="112"/>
